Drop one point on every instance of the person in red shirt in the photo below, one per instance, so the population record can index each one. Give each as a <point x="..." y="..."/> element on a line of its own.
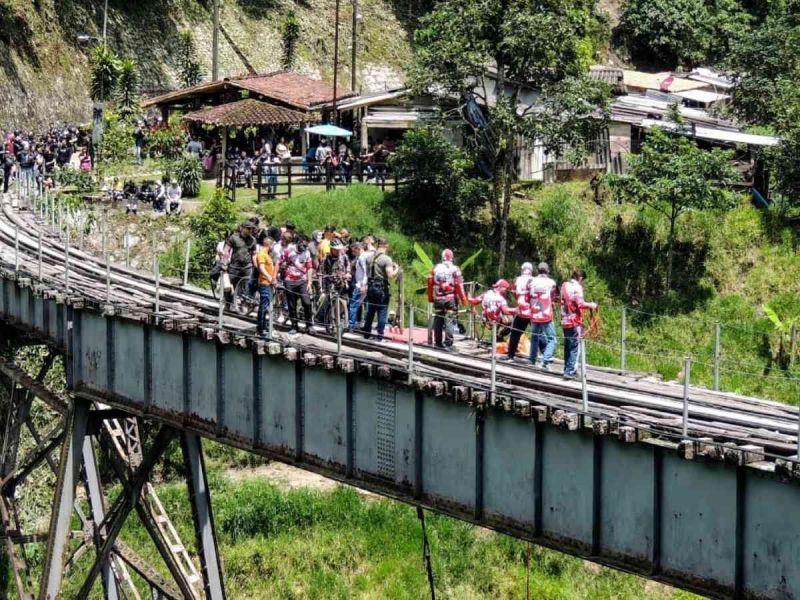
<point x="572" y="307"/>
<point x="445" y="290"/>
<point x="495" y="306"/>
<point x="298" y="274"/>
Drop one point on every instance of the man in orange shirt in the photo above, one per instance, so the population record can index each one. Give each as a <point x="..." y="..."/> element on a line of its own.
<point x="266" y="279"/>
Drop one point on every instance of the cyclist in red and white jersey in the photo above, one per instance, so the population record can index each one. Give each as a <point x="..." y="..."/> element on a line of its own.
<point x="445" y="290"/>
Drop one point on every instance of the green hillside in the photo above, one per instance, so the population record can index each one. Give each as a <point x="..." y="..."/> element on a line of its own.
<point x="43" y="69"/>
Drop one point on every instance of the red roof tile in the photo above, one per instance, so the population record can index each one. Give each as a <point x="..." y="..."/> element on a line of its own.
<point x="248" y="113"/>
<point x="291" y="88"/>
<point x="286" y="87"/>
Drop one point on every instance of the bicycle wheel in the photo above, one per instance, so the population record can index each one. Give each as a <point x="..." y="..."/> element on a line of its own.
<point x="243" y="303"/>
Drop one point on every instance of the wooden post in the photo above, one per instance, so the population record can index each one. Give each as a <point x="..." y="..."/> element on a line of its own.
<point x="223" y="158"/>
<point x="793" y="344"/>
<point x="687" y="368"/>
<point x="289" y="179"/>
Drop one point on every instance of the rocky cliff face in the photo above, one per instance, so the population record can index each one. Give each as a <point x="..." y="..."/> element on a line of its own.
<point x="44" y="69"/>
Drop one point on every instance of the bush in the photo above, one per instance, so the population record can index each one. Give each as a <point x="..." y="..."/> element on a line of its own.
<point x="117" y="143"/>
<point x="218" y="217"/>
<point x="82" y="181"/>
<point x="439" y="200"/>
<point x="188" y="171"/>
<point x="166" y="142"/>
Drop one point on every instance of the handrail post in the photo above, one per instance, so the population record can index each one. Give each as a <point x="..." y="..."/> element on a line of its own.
<point x="16" y="248"/>
<point x="127" y="241"/>
<point x="687" y="369"/>
<point x="623" y="338"/>
<point x="493" y="381"/>
<point x="410" y="344"/>
<point x="717" y="349"/>
<point x="66" y="260"/>
<point x="157" y="280"/>
<point x="584" y="387"/>
<point x="39" y="255"/>
<point x="186" y="262"/>
<point x="271" y="314"/>
<point x="222" y="301"/>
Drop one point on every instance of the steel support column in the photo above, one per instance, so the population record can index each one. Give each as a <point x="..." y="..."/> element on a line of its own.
<point x="200" y="498"/>
<point x="97" y="506"/>
<point x="64" y="499"/>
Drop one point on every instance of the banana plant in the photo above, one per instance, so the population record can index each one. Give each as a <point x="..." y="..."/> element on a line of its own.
<point x="423" y="264"/>
<point x="785" y="329"/>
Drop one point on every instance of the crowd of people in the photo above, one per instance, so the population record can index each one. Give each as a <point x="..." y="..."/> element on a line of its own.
<point x="333" y="263"/>
<point x="323" y="159"/>
<point x="329" y="261"/>
<point x="32" y="159"/>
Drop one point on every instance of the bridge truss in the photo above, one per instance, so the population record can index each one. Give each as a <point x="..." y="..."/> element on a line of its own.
<point x="79" y="433"/>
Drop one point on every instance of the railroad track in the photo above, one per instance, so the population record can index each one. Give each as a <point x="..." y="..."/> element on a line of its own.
<point x="647" y="404"/>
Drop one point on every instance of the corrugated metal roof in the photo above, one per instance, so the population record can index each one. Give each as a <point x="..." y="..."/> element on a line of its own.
<point x="715" y="134"/>
<point x="610" y="75"/>
<point x="653" y="81"/>
<point x="703" y="96"/>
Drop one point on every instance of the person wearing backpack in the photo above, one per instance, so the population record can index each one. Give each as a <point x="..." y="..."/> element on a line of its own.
<point x="380" y="270"/>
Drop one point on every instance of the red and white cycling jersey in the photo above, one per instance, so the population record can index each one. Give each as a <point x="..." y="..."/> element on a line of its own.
<point x="494" y="306"/>
<point x="445" y="283"/>
<point x="521" y="284"/>
<point x="541" y="296"/>
<point x="297" y="264"/>
<point x="572" y="303"/>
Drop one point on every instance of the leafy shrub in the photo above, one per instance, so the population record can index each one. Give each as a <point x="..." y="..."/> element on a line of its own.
<point x="82" y="181"/>
<point x="218" y="217"/>
<point x="188" y="171"/>
<point x="439" y="199"/>
<point x="117" y="143"/>
<point x="166" y="142"/>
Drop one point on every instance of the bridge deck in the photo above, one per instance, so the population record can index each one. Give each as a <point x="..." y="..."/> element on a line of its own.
<point x="618" y="484"/>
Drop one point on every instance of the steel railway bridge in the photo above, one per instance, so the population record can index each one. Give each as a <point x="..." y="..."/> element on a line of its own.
<point x="706" y="500"/>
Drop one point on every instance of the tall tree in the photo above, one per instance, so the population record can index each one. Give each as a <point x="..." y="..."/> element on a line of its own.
<point x="105" y="69"/>
<point x="291" y="33"/>
<point x="127" y="87"/>
<point x="467" y="50"/>
<point x="672" y="175"/>
<point x="188" y="64"/>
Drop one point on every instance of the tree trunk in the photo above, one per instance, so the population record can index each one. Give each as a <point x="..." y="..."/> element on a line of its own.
<point x="507" y="170"/>
<point x="670" y="249"/>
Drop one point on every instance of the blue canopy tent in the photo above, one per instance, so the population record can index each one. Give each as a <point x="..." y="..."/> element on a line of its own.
<point x="329" y="131"/>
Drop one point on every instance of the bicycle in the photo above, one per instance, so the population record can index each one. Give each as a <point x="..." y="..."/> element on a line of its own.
<point x="240" y="301"/>
<point x="332" y="310"/>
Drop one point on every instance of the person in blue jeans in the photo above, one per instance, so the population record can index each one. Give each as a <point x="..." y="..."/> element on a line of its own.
<point x="572" y="307"/>
<point x="266" y="278"/>
<point x="541" y="298"/>
<point x="380" y="269"/>
<point x="543" y="340"/>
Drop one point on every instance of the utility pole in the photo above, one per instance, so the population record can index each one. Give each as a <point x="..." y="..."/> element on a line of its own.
<point x="356" y="19"/>
<point x="215" y="44"/>
<point x="335" y="118"/>
<point x="105" y="24"/>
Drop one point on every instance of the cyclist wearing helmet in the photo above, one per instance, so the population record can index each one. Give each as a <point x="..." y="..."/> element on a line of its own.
<point x="445" y="289"/>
